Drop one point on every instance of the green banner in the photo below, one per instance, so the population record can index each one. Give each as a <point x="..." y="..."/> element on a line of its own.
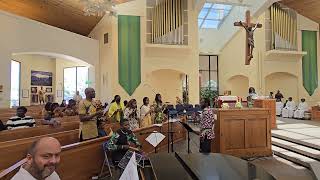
<point x="309" y="61"/>
<point x="129" y="52"/>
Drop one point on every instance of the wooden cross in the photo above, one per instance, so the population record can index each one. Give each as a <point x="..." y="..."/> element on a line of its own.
<point x="250" y="28"/>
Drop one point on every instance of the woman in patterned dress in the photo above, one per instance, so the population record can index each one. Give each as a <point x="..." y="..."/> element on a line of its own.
<point x="206" y="127"/>
<point x="159" y="108"/>
<point x="131" y="114"/>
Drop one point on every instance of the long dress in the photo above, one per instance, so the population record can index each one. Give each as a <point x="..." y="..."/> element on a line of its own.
<point x="132" y="116"/>
<point x="279" y="107"/>
<point x="289" y="109"/>
<point x="302" y="108"/>
<point x="145" y="116"/>
<point x="159" y="115"/>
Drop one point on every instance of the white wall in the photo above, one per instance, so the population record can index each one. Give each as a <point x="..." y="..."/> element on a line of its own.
<point x="19" y="35"/>
<point x="153" y="58"/>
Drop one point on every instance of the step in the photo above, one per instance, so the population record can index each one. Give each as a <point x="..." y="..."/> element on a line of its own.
<point x="296" y="141"/>
<point x="297" y="148"/>
<point x="292" y="156"/>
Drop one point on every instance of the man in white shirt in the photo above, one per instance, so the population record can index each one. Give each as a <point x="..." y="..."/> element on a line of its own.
<point x="288" y="110"/>
<point x="302" y="108"/>
<point x="42" y="160"/>
<point x="279" y="107"/>
<point x="77" y="97"/>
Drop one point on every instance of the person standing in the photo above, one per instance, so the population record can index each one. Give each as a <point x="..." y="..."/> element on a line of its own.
<point x="116" y="109"/>
<point x="41" y="93"/>
<point x="131" y="114"/>
<point x="88" y="115"/>
<point x="206" y="127"/>
<point x="159" y="108"/>
<point x="77" y="97"/>
<point x="145" y="113"/>
<point x="278" y="96"/>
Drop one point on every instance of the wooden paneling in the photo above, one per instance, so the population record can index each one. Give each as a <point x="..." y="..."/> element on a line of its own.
<point x="64" y="14"/>
<point x="271" y="105"/>
<point x="242" y="132"/>
<point x="36" y="131"/>
<point x="307" y="8"/>
<point x="315" y="113"/>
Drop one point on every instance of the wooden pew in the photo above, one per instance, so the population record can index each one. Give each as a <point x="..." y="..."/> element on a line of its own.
<point x="84" y="159"/>
<point x="12" y="151"/>
<point x="36" y="131"/>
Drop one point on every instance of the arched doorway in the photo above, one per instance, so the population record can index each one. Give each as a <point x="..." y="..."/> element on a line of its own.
<point x="238" y="85"/>
<point x="285" y="82"/>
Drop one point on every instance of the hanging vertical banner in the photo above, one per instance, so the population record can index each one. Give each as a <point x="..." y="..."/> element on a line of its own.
<point x="309" y="61"/>
<point x="129" y="52"/>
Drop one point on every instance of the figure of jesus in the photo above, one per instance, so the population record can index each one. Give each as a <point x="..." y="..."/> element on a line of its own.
<point x="250" y="30"/>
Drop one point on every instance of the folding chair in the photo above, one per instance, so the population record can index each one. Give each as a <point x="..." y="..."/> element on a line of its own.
<point x="106" y="161"/>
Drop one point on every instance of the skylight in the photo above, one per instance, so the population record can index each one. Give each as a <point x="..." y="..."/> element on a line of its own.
<point x="212" y="15"/>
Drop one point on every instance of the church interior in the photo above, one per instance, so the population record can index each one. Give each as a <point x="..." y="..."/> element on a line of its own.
<point x="194" y="89"/>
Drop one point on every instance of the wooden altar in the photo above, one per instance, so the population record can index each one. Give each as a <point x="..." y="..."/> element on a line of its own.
<point x="271" y="105"/>
<point x="243" y="132"/>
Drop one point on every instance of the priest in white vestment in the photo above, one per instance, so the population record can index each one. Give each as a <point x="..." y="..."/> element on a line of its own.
<point x="302" y="108"/>
<point x="289" y="109"/>
<point x="279" y="107"/>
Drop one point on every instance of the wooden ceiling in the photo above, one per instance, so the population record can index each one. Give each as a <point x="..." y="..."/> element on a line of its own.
<point x="307" y="8"/>
<point x="64" y="14"/>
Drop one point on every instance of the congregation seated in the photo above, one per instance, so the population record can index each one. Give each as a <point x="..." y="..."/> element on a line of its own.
<point x="20" y="120"/>
<point x="302" y="108"/>
<point x="71" y="109"/>
<point x="121" y="141"/>
<point x="49" y="115"/>
<point x="42" y="159"/>
<point x="289" y="108"/>
<point x="279" y="107"/>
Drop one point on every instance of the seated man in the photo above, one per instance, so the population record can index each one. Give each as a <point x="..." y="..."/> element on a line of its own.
<point x="288" y="110"/>
<point x="302" y="108"/>
<point x="279" y="107"/>
<point x="119" y="142"/>
<point x="21" y="120"/>
<point x="42" y="160"/>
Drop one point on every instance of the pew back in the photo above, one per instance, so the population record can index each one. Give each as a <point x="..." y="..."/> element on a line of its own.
<point x="9" y="135"/>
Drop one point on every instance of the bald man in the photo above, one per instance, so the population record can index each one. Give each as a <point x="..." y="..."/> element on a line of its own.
<point x="88" y="115"/>
<point x="42" y="159"/>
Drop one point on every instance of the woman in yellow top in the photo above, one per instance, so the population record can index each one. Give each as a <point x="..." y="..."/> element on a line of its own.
<point x="88" y="115"/>
<point x="116" y="109"/>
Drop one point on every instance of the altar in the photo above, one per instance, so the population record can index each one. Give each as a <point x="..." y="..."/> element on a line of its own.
<point x="242" y="132"/>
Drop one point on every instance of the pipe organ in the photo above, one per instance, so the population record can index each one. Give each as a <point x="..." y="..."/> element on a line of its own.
<point x="283" y="27"/>
<point x="167" y="22"/>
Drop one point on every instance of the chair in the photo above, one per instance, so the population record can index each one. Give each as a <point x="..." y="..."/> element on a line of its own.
<point x="170" y="107"/>
<point x="180" y="108"/>
<point x="106" y="161"/>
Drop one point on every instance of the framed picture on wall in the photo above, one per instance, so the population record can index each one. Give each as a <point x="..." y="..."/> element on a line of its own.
<point x="40" y="78"/>
<point x="34" y="89"/>
<point x="49" y="98"/>
<point x="59" y="93"/>
<point x="25" y="93"/>
<point x="34" y="98"/>
<point x="49" y="90"/>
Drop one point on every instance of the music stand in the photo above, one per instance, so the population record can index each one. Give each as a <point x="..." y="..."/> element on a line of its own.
<point x="189" y="129"/>
<point x="170" y="114"/>
<point x="155" y="138"/>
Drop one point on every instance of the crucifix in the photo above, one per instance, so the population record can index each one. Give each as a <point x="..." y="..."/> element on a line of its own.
<point x="250" y="28"/>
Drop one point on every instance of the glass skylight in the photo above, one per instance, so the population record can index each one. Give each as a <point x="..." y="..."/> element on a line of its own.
<point x="212" y="15"/>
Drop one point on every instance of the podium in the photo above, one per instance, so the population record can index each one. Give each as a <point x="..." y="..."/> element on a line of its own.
<point x="268" y="104"/>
